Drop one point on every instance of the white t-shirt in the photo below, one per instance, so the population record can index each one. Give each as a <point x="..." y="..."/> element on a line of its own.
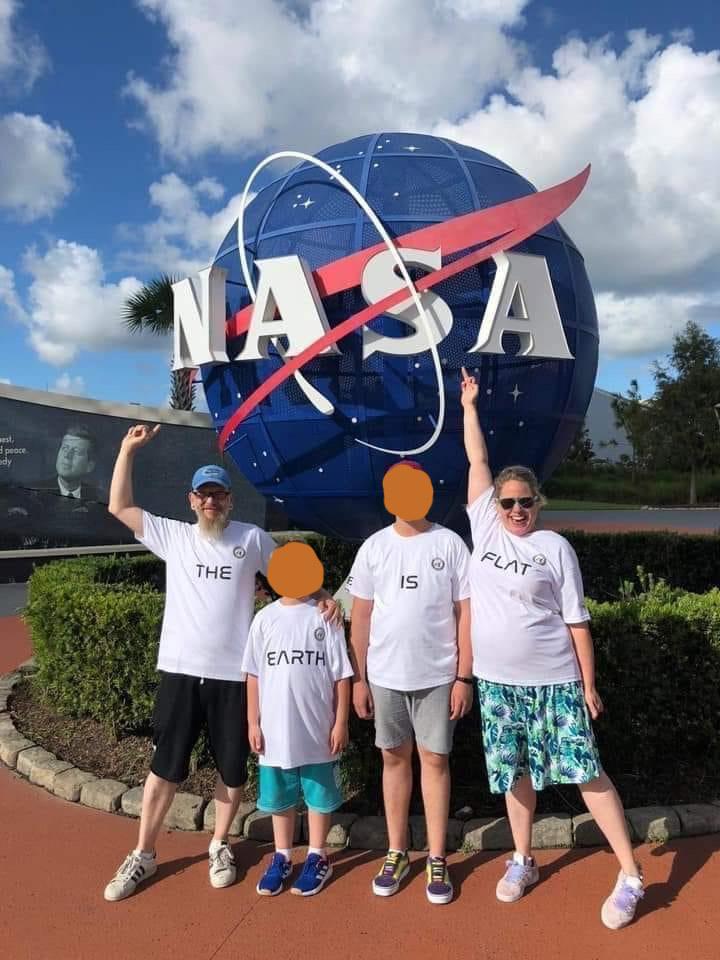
<point x="525" y="590"/>
<point x="297" y="657"/>
<point x="413" y="582"/>
<point x="210" y="594"/>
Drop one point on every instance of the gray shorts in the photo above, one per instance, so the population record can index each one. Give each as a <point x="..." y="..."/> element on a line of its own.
<point x="426" y="713"/>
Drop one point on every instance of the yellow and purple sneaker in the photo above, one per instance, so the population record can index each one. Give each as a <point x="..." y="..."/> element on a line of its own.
<point x="438" y="887"/>
<point x="391" y="874"/>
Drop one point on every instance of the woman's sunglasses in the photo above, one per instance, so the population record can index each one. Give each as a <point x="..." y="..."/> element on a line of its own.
<point x="507" y="503"/>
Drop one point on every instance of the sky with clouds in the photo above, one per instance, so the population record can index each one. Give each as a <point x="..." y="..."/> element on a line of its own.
<point x="127" y="131"/>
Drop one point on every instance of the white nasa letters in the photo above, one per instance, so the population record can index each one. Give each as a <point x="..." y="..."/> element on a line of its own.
<point x="522" y="279"/>
<point x="379" y="280"/>
<point x="286" y="288"/>
<point x="288" y="305"/>
<point x="199" y="319"/>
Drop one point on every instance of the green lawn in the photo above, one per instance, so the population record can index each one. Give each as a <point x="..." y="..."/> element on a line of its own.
<point x="589" y="505"/>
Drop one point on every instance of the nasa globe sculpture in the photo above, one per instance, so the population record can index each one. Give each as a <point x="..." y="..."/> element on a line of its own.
<point x="355" y="287"/>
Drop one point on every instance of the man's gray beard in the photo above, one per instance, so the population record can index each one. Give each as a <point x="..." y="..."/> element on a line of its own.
<point x="212" y="529"/>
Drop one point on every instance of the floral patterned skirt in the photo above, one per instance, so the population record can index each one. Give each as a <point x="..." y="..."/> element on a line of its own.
<point x="544" y="731"/>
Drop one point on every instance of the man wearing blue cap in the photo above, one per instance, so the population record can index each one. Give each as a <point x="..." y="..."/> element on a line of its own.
<point x="210" y="591"/>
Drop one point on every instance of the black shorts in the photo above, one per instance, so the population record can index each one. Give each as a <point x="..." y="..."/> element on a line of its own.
<point x="183" y="706"/>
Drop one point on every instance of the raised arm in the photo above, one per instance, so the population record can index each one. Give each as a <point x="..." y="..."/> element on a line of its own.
<point x="122" y="502"/>
<point x="479" y="477"/>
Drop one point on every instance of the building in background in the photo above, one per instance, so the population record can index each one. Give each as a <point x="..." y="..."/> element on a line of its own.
<point x="609" y="441"/>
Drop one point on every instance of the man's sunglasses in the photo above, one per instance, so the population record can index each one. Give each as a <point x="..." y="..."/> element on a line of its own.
<point x="216" y="495"/>
<point x="507" y="503"/>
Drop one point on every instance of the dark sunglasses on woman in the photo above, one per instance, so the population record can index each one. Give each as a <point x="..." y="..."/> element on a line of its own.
<point x="507" y="503"/>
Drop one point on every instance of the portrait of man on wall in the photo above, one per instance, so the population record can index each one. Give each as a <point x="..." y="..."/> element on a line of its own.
<point x="75" y="462"/>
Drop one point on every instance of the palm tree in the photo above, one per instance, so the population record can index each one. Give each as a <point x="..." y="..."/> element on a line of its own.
<point x="151" y="308"/>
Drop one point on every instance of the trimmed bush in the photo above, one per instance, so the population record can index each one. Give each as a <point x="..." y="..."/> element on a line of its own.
<point x="95" y="627"/>
<point x="658" y="668"/>
<point x="608" y="559"/>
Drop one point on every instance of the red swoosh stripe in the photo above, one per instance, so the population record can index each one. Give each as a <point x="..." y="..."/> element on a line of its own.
<point x="509" y="223"/>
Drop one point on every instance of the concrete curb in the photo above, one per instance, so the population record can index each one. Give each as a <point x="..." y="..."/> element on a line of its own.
<point x="653" y="824"/>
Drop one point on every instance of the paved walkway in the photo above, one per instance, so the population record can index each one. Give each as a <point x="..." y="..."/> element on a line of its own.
<point x="55" y="858"/>
<point x="700" y="520"/>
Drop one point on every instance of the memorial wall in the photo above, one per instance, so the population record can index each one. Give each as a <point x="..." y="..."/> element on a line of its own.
<point x="56" y="460"/>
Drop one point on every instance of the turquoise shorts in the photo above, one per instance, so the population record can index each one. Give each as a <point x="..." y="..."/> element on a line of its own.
<point x="544" y="731"/>
<point x="318" y="783"/>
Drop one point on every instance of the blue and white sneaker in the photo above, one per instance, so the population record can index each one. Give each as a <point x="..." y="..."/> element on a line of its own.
<point x="315" y="873"/>
<point x="273" y="880"/>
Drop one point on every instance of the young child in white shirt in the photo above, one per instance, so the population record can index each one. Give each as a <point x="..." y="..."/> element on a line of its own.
<point x="298" y="691"/>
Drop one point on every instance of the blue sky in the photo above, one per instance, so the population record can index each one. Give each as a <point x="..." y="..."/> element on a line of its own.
<point x="127" y="131"/>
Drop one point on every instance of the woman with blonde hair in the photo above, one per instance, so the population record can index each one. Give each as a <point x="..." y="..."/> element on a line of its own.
<point x="534" y="663"/>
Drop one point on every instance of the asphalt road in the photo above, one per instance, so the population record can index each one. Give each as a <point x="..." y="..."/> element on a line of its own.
<point x="681" y="520"/>
<point x="12" y="598"/>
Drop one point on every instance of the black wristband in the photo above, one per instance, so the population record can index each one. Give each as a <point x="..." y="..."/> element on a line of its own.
<point x="468" y="680"/>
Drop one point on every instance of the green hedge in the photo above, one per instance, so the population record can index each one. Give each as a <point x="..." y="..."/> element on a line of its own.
<point x="609" y="559"/>
<point x="613" y="484"/>
<point x="95" y="626"/>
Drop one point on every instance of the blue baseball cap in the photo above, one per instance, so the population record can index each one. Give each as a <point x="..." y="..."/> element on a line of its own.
<point x="211" y="473"/>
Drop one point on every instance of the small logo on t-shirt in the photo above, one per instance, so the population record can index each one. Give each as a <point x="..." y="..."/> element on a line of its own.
<point x="319" y="634"/>
<point x="437" y="563"/>
<point x="539" y="559"/>
<point x="239" y="552"/>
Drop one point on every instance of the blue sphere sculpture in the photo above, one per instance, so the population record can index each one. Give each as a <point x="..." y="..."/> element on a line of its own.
<point x="310" y="465"/>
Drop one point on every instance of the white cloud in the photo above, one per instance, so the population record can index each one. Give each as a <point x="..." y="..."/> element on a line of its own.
<point x="9" y="296"/>
<point x="643" y="324"/>
<point x="72" y="306"/>
<point x="65" y="383"/>
<point x="279" y="76"/>
<point x="22" y="57"/>
<point x="184" y="237"/>
<point x="35" y="160"/>
<point x="5" y="380"/>
<point x="649" y="120"/>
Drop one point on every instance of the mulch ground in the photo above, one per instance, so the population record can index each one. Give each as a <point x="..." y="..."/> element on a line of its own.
<point x="90" y="746"/>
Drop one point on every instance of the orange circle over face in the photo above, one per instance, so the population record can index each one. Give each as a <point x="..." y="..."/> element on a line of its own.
<point x="295" y="571"/>
<point x="408" y="492"/>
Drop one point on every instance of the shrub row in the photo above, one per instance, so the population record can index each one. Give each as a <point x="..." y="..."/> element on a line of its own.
<point x="616" y="485"/>
<point x="95" y="627"/>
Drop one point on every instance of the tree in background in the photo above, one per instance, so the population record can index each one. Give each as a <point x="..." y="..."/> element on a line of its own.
<point x="687" y="387"/>
<point x="635" y="416"/>
<point x="151" y="308"/>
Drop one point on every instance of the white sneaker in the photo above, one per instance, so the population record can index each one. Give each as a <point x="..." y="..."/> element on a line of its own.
<point x="619" y="908"/>
<point x="222" y="866"/>
<point x="521" y="873"/>
<point x="134" y="870"/>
